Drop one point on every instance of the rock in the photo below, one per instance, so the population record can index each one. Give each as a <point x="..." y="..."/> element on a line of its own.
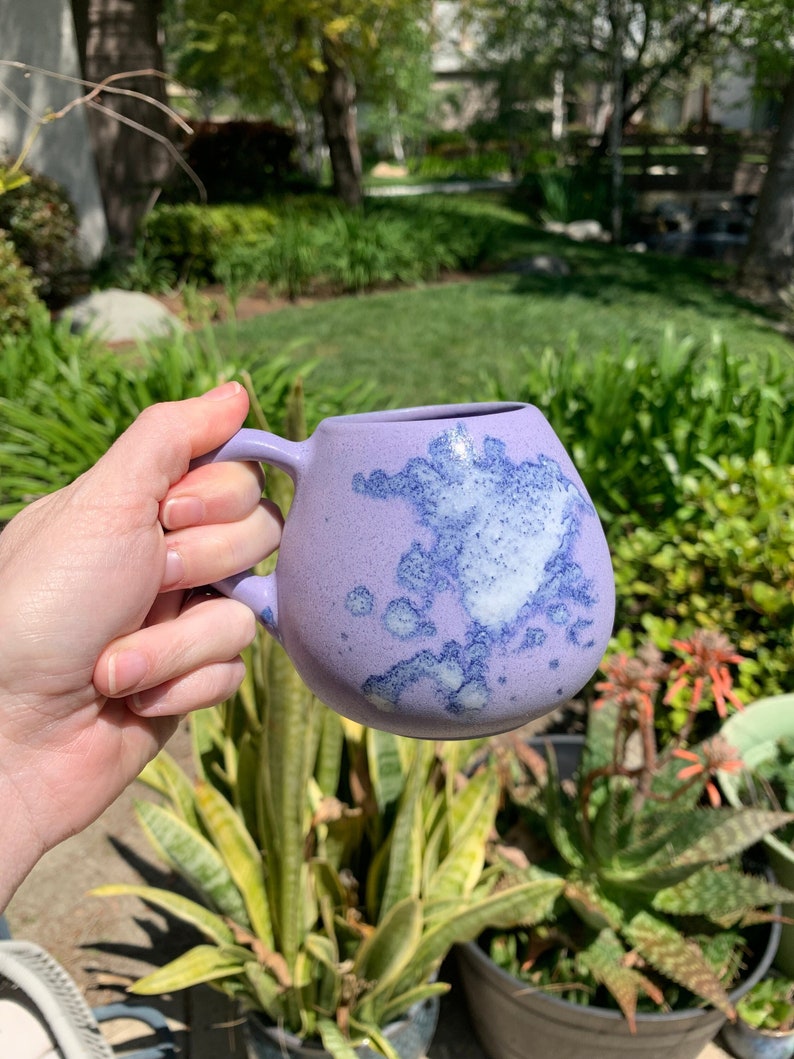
<point x="540" y="265"/>
<point x="580" y="231"/>
<point x="586" y="231"/>
<point x="390" y="171"/>
<point x="122" y="316"/>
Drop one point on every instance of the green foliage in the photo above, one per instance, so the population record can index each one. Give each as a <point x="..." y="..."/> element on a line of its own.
<point x="721" y="560"/>
<point x="18" y="286"/>
<point x="637" y="422"/>
<point x="769" y="1005"/>
<point x="146" y="270"/>
<point x="194" y="237"/>
<point x="653" y="902"/>
<point x="482" y="165"/>
<point x="42" y="224"/>
<point x="572" y="193"/>
<point x="64" y="398"/>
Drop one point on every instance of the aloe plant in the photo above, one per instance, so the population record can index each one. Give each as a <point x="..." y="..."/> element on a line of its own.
<point x="653" y="900"/>
<point x="332" y="866"/>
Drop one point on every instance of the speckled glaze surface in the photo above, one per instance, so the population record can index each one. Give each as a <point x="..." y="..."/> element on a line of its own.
<point x="442" y="572"/>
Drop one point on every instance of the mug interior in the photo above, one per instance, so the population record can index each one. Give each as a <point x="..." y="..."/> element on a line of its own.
<point x="428" y="413"/>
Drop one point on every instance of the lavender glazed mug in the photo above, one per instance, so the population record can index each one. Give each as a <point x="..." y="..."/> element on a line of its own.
<point x="442" y="571"/>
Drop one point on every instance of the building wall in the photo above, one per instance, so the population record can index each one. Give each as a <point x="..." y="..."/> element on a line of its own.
<point x="41" y="34"/>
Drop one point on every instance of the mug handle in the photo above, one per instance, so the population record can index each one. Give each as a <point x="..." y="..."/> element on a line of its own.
<point x="257" y="592"/>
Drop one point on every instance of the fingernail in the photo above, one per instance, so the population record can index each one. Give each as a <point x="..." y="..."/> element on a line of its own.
<point x="223" y="392"/>
<point x="183" y="511"/>
<point x="125" y="670"/>
<point x="174" y="568"/>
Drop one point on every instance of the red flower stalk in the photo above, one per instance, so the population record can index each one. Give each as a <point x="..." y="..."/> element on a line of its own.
<point x="632" y="683"/>
<point x="718" y="756"/>
<point x="709" y="653"/>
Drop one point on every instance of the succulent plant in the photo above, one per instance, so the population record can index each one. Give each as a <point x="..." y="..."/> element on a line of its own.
<point x="652" y="894"/>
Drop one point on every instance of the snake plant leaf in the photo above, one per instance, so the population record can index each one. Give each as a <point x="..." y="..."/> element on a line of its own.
<point x="334" y="1041"/>
<point x="195" y="858"/>
<point x="401" y="1002"/>
<point x="292" y="720"/>
<point x="266" y="990"/>
<point x="233" y="841"/>
<point x="211" y="925"/>
<point x="603" y="959"/>
<point x="386" y="768"/>
<point x="404" y="872"/>
<point x="725" y="896"/>
<point x="525" y="903"/>
<point x="204" y="963"/>
<point x="471" y="820"/>
<point x="371" y="1032"/>
<point x="680" y="959"/>
<point x="387" y="952"/>
<point x="329" y="754"/>
<point x="165" y="776"/>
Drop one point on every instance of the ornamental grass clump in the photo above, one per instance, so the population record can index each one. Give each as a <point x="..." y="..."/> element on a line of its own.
<point x="656" y="909"/>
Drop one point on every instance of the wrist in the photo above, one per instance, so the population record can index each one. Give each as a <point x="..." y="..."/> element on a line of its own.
<point x="22" y="843"/>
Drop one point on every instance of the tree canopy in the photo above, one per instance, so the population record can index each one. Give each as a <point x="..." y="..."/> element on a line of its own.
<point x="314" y="59"/>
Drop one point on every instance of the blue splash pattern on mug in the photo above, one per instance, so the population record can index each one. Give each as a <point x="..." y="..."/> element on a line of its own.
<point x="503" y="535"/>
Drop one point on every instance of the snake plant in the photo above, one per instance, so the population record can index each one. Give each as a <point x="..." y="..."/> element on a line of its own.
<point x="332" y="866"/>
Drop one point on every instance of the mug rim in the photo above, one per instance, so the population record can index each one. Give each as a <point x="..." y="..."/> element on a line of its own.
<point x="427" y="413"/>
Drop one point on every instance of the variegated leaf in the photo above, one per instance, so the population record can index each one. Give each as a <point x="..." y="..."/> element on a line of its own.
<point x="244" y="861"/>
<point x="211" y="925"/>
<point x="724" y="896"/>
<point x="204" y="963"/>
<point x="663" y="948"/>
<point x="194" y="858"/>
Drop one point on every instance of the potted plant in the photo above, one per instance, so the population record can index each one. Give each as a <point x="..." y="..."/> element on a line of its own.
<point x="332" y="867"/>
<point x="764" y="737"/>
<point x="642" y="950"/>
<point x="764" y="1028"/>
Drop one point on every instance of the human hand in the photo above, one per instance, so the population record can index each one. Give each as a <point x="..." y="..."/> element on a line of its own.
<point x="102" y="646"/>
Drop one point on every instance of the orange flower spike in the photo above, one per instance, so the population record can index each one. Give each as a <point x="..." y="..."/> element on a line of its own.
<point x="713" y="795"/>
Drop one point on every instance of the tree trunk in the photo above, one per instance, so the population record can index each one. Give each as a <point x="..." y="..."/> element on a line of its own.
<point x="119" y="36"/>
<point x="337" y="105"/>
<point x="768" y="264"/>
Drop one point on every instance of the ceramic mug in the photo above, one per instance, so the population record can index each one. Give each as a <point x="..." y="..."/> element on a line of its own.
<point x="442" y="571"/>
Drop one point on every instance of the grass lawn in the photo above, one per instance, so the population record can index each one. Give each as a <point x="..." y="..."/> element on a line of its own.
<point x="450" y="341"/>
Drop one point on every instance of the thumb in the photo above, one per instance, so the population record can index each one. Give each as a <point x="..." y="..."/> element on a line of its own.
<point x="156" y="450"/>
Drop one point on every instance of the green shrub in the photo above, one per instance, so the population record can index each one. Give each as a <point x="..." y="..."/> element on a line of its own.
<point x="481" y="166"/>
<point x="723" y="560"/>
<point x="42" y="224"/>
<point x="193" y="237"/>
<point x="637" y="421"/>
<point x="65" y="398"/>
<point x="288" y="259"/>
<point x="147" y="270"/>
<point x="18" y="288"/>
